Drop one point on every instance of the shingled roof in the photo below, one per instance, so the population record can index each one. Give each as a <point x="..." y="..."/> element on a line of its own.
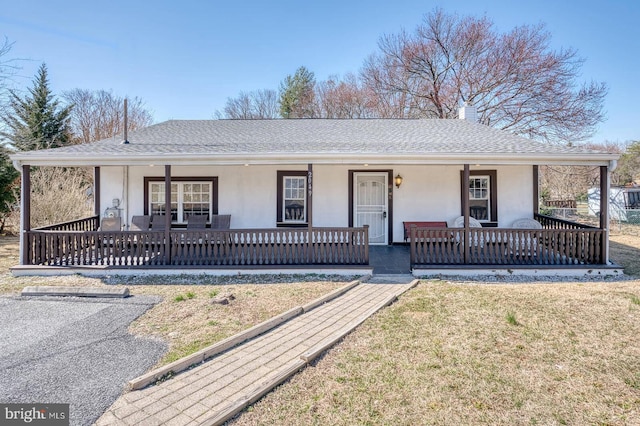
<point x="314" y="140"/>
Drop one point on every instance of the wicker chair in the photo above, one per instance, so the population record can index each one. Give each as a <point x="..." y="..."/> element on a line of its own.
<point x="459" y="223"/>
<point x="526" y="223"/>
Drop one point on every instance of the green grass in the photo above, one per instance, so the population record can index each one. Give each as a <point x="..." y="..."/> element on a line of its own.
<point x="179" y="298"/>
<point x="511" y="319"/>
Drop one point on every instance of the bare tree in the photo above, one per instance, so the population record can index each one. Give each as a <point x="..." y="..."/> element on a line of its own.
<point x="8" y="68"/>
<point x="514" y="79"/>
<point x="99" y="114"/>
<point x="261" y="104"/>
<point x="346" y="98"/>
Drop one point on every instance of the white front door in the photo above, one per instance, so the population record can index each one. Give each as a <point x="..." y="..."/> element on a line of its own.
<point x="371" y="205"/>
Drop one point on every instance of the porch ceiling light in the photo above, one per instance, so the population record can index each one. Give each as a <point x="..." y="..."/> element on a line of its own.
<point x="398" y="180"/>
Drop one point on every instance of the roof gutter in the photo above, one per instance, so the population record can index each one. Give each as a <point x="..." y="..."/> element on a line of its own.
<point x="325" y="158"/>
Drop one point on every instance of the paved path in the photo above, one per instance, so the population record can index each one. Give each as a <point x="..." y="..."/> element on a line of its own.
<point x="224" y="385"/>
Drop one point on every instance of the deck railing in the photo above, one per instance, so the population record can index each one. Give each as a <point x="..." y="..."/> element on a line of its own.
<point x="501" y="246"/>
<point x="549" y="222"/>
<point x="85" y="224"/>
<point x="235" y="247"/>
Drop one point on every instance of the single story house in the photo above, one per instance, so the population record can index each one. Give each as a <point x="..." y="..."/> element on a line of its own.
<point x="315" y="192"/>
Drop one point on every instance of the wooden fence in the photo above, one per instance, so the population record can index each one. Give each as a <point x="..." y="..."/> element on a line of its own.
<point x="236" y="247"/>
<point x="501" y="246"/>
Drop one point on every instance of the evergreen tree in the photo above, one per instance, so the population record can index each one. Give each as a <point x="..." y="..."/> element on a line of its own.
<point x="36" y="121"/>
<point x="8" y="178"/>
<point x="297" y="95"/>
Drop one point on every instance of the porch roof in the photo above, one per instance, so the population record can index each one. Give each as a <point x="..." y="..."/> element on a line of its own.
<point x="320" y="141"/>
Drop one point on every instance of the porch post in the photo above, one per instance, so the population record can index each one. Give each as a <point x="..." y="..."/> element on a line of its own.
<point x="536" y="189"/>
<point x="310" y="251"/>
<point x="465" y="211"/>
<point x="167" y="214"/>
<point x="310" y="194"/>
<point x="25" y="219"/>
<point x="604" y="213"/>
<point x="96" y="191"/>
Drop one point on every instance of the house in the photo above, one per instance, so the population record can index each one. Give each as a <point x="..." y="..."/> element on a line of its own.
<point x="316" y="192"/>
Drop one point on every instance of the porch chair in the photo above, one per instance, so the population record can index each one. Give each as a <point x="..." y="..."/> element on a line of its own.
<point x="140" y="223"/>
<point x="111" y="224"/>
<point x="197" y="221"/>
<point x="158" y="222"/>
<point x="459" y="222"/>
<point x="473" y="223"/>
<point x="524" y="245"/>
<point x="221" y="221"/>
<point x="526" y="223"/>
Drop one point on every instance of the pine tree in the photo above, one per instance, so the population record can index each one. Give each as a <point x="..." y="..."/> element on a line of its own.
<point x="8" y="179"/>
<point x="297" y="95"/>
<point x="36" y="121"/>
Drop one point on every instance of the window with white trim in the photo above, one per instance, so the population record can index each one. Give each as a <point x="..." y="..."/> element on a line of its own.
<point x="187" y="198"/>
<point x="294" y="202"/>
<point x="480" y="197"/>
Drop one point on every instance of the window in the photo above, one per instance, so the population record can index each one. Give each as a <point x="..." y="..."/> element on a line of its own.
<point x="189" y="196"/>
<point x="292" y="197"/>
<point x="483" y="204"/>
<point x="479" y="206"/>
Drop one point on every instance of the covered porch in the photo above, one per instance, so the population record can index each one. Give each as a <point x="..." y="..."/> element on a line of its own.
<point x="306" y="205"/>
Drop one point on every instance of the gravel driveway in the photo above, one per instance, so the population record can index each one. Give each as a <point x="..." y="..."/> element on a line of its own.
<point x="72" y="350"/>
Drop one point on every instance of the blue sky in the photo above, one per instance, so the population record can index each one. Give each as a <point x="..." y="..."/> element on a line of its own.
<point x="185" y="58"/>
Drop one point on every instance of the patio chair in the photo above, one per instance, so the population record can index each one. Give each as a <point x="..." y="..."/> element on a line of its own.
<point x="473" y="223"/>
<point x="111" y="224"/>
<point x="524" y="245"/>
<point x="158" y="222"/>
<point x="526" y="223"/>
<point x="197" y="221"/>
<point x="221" y="221"/>
<point x="459" y="222"/>
<point x="140" y="223"/>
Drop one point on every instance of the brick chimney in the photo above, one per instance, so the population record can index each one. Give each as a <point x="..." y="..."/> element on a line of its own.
<point x="468" y="112"/>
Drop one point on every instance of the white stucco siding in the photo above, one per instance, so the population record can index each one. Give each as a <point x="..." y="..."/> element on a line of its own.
<point x="248" y="194"/>
<point x="515" y="194"/>
<point x="111" y="187"/>
<point x="330" y="195"/>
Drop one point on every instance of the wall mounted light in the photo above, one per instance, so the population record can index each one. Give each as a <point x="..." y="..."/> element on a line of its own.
<point x="398" y="180"/>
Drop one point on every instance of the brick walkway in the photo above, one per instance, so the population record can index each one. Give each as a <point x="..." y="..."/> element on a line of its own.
<point x="224" y="385"/>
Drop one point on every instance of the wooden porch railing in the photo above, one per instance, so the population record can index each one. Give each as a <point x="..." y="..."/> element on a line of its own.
<point x="236" y="247"/>
<point x="501" y="246"/>
<point x="549" y="222"/>
<point x="85" y="224"/>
